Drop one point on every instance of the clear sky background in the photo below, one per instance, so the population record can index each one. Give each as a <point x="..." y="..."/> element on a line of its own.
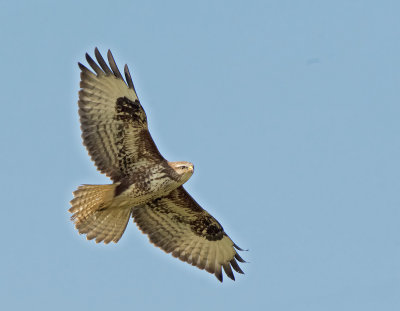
<point x="288" y="109"/>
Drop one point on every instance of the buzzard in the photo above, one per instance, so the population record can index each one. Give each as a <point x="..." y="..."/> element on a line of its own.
<point x="145" y="186"/>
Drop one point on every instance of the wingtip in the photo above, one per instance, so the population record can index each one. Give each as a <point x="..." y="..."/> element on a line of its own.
<point x="128" y="78"/>
<point x="235" y="266"/>
<point x="97" y="52"/>
<point x="126" y="69"/>
<point x="239" y="248"/>
<point x="218" y="275"/>
<point x="237" y="256"/>
<point x="113" y="65"/>
<point x="228" y="271"/>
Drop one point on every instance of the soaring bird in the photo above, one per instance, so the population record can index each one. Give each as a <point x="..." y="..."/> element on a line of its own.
<point x="145" y="186"/>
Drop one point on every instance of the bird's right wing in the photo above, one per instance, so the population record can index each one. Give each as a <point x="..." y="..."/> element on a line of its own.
<point x="178" y="225"/>
<point x="113" y="123"/>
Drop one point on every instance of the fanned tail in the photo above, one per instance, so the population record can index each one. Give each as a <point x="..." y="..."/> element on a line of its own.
<point x="95" y="215"/>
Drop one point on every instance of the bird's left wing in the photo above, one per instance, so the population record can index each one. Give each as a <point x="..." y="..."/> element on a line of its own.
<point x="113" y="122"/>
<point x="178" y="225"/>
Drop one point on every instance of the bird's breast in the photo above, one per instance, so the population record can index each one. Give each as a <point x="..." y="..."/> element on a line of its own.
<point x="143" y="190"/>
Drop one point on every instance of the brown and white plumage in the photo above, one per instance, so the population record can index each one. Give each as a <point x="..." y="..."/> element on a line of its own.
<point x="178" y="225"/>
<point x="113" y="123"/>
<point x="146" y="186"/>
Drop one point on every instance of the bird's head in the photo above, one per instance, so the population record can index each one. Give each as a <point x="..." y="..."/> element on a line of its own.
<point x="183" y="169"/>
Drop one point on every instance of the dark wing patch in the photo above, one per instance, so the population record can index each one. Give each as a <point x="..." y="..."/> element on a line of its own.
<point x="178" y="225"/>
<point x="113" y="123"/>
<point x="130" y="111"/>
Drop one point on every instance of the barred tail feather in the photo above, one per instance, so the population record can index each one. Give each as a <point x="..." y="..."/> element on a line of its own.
<point x="95" y="215"/>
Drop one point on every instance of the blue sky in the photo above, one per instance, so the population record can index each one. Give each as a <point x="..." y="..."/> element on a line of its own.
<point x="289" y="111"/>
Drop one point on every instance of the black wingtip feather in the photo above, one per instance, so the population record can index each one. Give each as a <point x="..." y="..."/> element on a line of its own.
<point x="129" y="78"/>
<point x="239" y="248"/>
<point x="113" y="65"/>
<point x="218" y="274"/>
<point x="82" y="67"/>
<point x="239" y="258"/>
<point x="228" y="271"/>
<point x="235" y="266"/>
<point x="102" y="62"/>
<point x="93" y="64"/>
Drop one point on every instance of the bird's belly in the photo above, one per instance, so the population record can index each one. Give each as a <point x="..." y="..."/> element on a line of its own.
<point x="143" y="192"/>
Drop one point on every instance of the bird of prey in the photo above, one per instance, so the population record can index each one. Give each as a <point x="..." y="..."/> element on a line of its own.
<point x="145" y="186"/>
